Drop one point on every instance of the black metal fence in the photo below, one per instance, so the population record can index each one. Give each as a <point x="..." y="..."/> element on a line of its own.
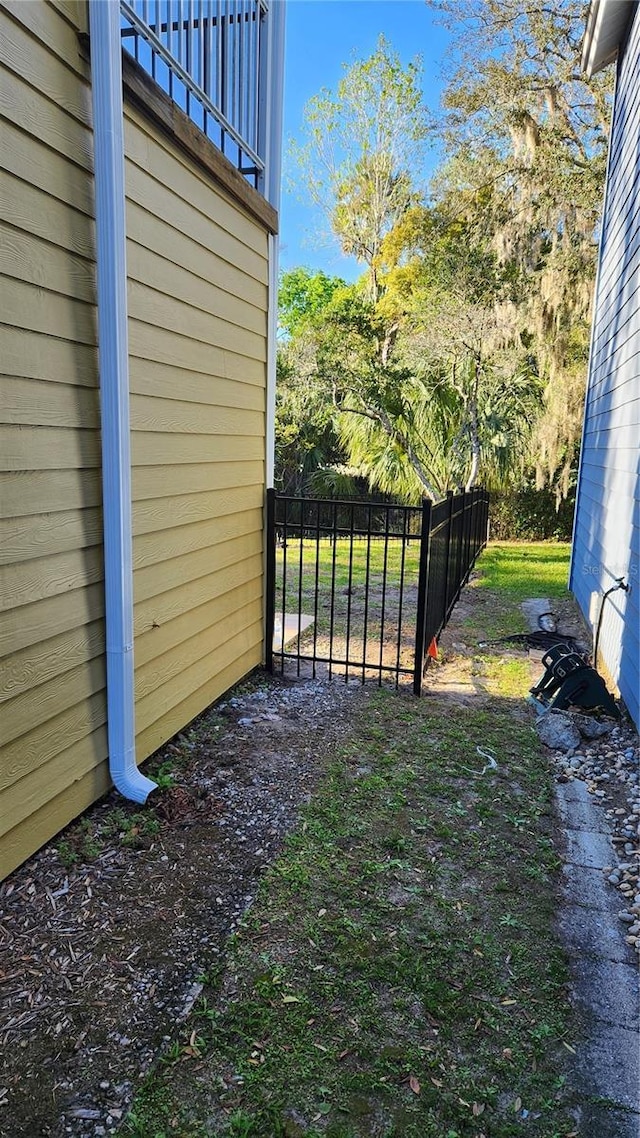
<point x="365" y="588"/>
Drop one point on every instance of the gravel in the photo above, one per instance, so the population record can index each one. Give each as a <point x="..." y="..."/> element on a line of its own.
<point x="609" y="767"/>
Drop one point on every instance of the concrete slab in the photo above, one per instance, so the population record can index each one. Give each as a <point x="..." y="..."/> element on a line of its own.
<point x="589" y="848"/>
<point x="607" y="990"/>
<point x="533" y="609"/>
<point x="607" y="1122"/>
<point x="608" y="1067"/>
<point x="584" y="886"/>
<point x="294" y="625"/>
<point x="592" y="932"/>
<point x="579" y="811"/>
<point x="573" y="791"/>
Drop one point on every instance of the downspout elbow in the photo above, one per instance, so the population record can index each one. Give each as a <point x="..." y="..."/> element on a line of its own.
<point x="130" y="781"/>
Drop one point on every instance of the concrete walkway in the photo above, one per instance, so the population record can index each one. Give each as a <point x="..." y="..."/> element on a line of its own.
<point x="605" y="987"/>
<point x="604" y="974"/>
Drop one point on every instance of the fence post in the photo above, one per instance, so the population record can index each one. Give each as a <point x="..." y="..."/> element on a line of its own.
<point x="423" y="584"/>
<point x="468" y="500"/>
<point x="270" y="580"/>
<point x="462" y="498"/>
<point x="447" y="564"/>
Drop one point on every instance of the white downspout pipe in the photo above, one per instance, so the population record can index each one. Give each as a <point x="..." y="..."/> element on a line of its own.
<point x="270" y="142"/>
<point x="113" y="361"/>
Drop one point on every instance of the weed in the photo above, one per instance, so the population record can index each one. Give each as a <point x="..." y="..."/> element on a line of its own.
<point x="67" y="854"/>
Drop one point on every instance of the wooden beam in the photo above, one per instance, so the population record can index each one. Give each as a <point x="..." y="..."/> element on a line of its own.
<point x="149" y="98"/>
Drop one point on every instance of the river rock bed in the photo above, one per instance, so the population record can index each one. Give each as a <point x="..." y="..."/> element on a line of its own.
<point x="609" y="766"/>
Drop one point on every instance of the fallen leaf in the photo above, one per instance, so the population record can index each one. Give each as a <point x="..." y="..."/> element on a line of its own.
<point x="321" y="912"/>
<point x="291" y="999"/>
<point x="506" y="1003"/>
<point x="414" y="1084"/>
<point x="569" y="1047"/>
<point x="478" y="1108"/>
<point x="436" y="1082"/>
<point x="517" y="1104"/>
<point x="343" y="1054"/>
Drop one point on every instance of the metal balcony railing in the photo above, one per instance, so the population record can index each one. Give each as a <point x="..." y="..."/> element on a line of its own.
<point x="209" y="56"/>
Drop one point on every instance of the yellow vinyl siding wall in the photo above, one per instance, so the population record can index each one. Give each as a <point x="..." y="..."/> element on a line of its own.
<point x="197" y="288"/>
<point x="52" y="675"/>
<point x="198" y="274"/>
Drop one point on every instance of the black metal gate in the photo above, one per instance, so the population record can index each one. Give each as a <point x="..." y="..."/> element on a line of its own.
<point x="364" y="589"/>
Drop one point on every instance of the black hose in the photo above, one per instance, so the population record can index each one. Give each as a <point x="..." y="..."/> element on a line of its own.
<point x="540" y="640"/>
<point x="620" y="584"/>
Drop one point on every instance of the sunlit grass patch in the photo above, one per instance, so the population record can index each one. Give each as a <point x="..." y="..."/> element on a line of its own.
<point x="520" y="570"/>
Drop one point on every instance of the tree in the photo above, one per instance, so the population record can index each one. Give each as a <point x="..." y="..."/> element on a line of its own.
<point x="363" y="150"/>
<point x="526" y="134"/>
<point x="302" y="297"/>
<point x="305" y="433"/>
<point x="416" y="426"/>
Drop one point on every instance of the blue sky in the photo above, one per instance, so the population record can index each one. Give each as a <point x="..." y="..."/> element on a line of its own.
<point x="321" y="36"/>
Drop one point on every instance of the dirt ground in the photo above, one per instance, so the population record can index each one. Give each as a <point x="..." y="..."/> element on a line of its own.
<point x="101" y="958"/>
<point x="107" y="933"/>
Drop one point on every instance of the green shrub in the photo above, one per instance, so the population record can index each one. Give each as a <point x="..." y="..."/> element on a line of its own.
<point x="530" y="515"/>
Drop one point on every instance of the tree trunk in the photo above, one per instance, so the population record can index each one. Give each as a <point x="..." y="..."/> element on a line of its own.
<point x="474" y="430"/>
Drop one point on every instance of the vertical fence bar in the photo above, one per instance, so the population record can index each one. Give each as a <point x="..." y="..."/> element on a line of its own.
<point x="349" y="587"/>
<point x="460" y="545"/>
<point x="401" y="594"/>
<point x="333" y="586"/>
<point x="270" y="580"/>
<point x="423" y="585"/>
<point x="317" y="591"/>
<point x="384" y="591"/>
<point x="467" y="536"/>
<point x="300" y="580"/>
<point x="285" y="544"/>
<point x="366" y="595"/>
<point x="447" y="564"/>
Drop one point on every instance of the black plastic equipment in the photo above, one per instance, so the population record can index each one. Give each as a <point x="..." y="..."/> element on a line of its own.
<point x="569" y="680"/>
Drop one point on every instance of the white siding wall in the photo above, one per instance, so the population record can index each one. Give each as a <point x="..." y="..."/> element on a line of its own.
<point x="607" y="530"/>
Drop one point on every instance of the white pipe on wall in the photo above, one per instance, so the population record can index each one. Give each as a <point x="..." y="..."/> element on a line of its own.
<point x="108" y="137"/>
<point x="272" y="119"/>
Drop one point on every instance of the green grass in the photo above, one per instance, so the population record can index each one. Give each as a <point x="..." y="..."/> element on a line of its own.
<point x="349" y="581"/>
<point x="347" y="572"/>
<point x="397" y="975"/>
<point x="521" y="570"/>
<point x="508" y="574"/>
<point x="359" y="592"/>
